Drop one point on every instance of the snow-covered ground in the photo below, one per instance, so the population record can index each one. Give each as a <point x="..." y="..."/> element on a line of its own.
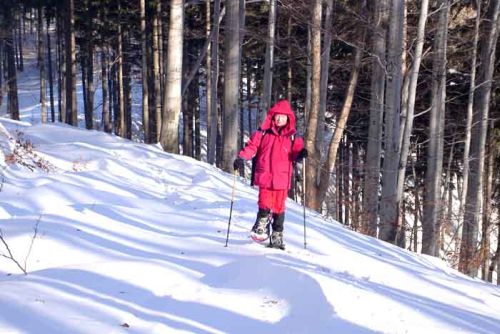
<point x="131" y="239"/>
<point x="121" y="237"/>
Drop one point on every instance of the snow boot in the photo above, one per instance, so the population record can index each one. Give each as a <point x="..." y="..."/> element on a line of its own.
<point x="261" y="228"/>
<point x="276" y="240"/>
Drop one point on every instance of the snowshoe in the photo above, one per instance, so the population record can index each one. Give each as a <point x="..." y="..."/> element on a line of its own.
<point x="276" y="240"/>
<point x="261" y="229"/>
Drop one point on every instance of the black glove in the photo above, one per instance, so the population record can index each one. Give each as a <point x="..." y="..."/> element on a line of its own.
<point x="302" y="154"/>
<point x="238" y="163"/>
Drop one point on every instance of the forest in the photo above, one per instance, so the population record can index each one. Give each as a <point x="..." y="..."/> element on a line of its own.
<point x="397" y="100"/>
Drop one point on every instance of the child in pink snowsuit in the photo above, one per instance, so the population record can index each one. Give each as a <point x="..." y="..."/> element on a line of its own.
<point x="275" y="148"/>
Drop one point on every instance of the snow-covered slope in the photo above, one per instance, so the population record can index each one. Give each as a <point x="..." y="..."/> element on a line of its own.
<point x="130" y="239"/>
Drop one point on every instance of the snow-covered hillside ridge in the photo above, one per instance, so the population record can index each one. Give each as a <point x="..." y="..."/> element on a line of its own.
<point x="121" y="237"/>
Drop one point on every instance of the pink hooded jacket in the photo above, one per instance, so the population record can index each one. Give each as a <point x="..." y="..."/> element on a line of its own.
<point x="274" y="150"/>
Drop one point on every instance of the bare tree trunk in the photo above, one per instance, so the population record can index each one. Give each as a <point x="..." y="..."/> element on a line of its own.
<point x="269" y="61"/>
<point x="71" y="105"/>
<point x="433" y="175"/>
<point x="416" y="217"/>
<point x="289" y="61"/>
<point x="144" y="73"/>
<point x="121" y="128"/>
<point x="372" y="166"/>
<point x="62" y="66"/>
<point x="389" y="205"/>
<point x="249" y="94"/>
<point x="412" y="93"/>
<point x="13" y="106"/>
<point x="495" y="261"/>
<point x="312" y="124"/>
<point x="468" y="263"/>
<point x="41" y="64"/>
<point x="208" y="72"/>
<point x="307" y="102"/>
<point x="20" y="45"/>
<point x="172" y="102"/>
<point x="470" y="104"/>
<point x="88" y="63"/>
<point x="51" y="74"/>
<point x="231" y="85"/>
<point x="127" y="86"/>
<point x="212" y="77"/>
<point x="325" y="67"/>
<point x="106" y="119"/>
<point x="156" y="73"/>
<point x="195" y="93"/>
<point x="487" y="207"/>
<point x="2" y="71"/>
<point x="347" y="172"/>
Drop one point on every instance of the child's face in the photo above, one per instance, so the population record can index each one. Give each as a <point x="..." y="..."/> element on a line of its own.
<point x="280" y="119"/>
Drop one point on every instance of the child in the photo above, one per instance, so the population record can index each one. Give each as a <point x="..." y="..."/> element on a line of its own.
<point x="275" y="148"/>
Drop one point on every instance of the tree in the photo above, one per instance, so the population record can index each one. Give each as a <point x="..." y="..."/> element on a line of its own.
<point x="157" y="107"/>
<point x="468" y="262"/>
<point x="144" y="73"/>
<point x="41" y="64"/>
<point x="312" y="124"/>
<point x="412" y="94"/>
<point x="212" y="80"/>
<point x="172" y="101"/>
<point x="269" y="61"/>
<point x="433" y="175"/>
<point x="232" y="58"/>
<point x="389" y="203"/>
<point x="373" y="151"/>
<point x="70" y="44"/>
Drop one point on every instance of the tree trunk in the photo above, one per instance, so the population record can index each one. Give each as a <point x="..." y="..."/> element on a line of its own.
<point x="231" y="85"/>
<point x="71" y="105"/>
<point x="470" y="103"/>
<point x="433" y="174"/>
<point x="195" y="93"/>
<point x="412" y="93"/>
<point x="307" y="102"/>
<point x="51" y="74"/>
<point x="269" y="61"/>
<point x="156" y="73"/>
<point x="468" y="263"/>
<point x="20" y="45"/>
<point x="325" y="67"/>
<point x="373" y="153"/>
<point x="89" y="44"/>
<point x="13" y="106"/>
<point x="127" y="86"/>
<point x="212" y="77"/>
<point x="312" y="124"/>
<point x="172" y="102"/>
<point x="2" y="71"/>
<point x="106" y="117"/>
<point x="289" y="61"/>
<point x="144" y="73"/>
<point x="389" y="206"/>
<point x="120" y="120"/>
<point x="41" y="64"/>
<point x="62" y="66"/>
<point x="487" y="206"/>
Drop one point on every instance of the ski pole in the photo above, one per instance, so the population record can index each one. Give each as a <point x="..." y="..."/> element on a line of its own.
<point x="231" y="209"/>
<point x="304" y="198"/>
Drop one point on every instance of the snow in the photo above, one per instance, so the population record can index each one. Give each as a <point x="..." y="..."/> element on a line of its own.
<point x="121" y="237"/>
<point x="131" y="239"/>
